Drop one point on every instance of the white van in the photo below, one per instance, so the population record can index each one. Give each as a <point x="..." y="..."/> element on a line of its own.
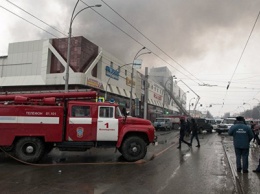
<point x="225" y="124"/>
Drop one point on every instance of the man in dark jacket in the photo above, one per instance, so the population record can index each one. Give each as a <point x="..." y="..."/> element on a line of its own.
<point x="242" y="135"/>
<point x="182" y="133"/>
<point x="187" y="132"/>
<point x="194" y="130"/>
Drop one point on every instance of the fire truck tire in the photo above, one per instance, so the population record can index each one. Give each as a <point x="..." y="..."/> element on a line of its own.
<point x="8" y="148"/>
<point x="48" y="147"/>
<point x="120" y="150"/>
<point x="134" y="148"/>
<point x="29" y="149"/>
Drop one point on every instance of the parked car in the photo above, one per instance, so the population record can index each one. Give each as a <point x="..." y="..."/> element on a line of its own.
<point x="225" y="125"/>
<point x="163" y="124"/>
<point x="203" y="124"/>
<point x="218" y="121"/>
<point x="212" y="122"/>
<point x="175" y="119"/>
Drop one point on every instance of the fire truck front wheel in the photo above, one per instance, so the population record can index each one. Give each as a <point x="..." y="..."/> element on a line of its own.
<point x="29" y="149"/>
<point x="134" y="148"/>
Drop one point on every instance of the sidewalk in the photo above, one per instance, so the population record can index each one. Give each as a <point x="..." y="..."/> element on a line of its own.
<point x="250" y="182"/>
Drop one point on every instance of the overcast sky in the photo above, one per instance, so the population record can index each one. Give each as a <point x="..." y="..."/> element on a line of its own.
<point x="203" y="42"/>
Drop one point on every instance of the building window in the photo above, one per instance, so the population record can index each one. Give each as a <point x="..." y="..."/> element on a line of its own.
<point x="118" y="90"/>
<point x="125" y="93"/>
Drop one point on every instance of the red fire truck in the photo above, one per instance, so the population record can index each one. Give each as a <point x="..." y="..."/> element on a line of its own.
<point x="33" y="124"/>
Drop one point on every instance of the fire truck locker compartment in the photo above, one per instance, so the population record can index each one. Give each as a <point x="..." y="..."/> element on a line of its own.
<point x="45" y="121"/>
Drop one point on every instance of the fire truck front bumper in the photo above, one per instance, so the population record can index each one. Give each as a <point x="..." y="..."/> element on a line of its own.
<point x="155" y="142"/>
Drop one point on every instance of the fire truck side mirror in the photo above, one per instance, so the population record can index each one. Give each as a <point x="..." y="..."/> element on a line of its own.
<point x="124" y="111"/>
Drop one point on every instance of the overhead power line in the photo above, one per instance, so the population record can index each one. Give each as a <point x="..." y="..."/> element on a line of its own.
<point x="152" y="43"/>
<point x="36" y="18"/>
<point x="105" y="19"/>
<point x="135" y="39"/>
<point x="229" y="83"/>
<point x="28" y="21"/>
<point x="243" y="51"/>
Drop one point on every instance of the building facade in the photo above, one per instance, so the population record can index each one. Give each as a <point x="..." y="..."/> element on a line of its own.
<point x="40" y="65"/>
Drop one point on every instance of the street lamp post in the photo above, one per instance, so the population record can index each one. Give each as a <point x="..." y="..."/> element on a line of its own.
<point x="247" y="103"/>
<point x="69" y="40"/>
<point x="193" y="92"/>
<point x="189" y="104"/>
<point x="250" y="111"/>
<point x="132" y="77"/>
<point x="257" y="107"/>
<point x="243" y="108"/>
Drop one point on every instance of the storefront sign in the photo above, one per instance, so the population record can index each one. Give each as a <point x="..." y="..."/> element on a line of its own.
<point x="137" y="63"/>
<point x="110" y="72"/>
<point x="128" y="81"/>
<point x="157" y="96"/>
<point x="94" y="83"/>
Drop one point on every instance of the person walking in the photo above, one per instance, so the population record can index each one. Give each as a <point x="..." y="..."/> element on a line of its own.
<point x="194" y="131"/>
<point x="256" y="134"/>
<point x="187" y="132"/>
<point x="242" y="135"/>
<point x="253" y="125"/>
<point x="183" y="128"/>
<point x="256" y="137"/>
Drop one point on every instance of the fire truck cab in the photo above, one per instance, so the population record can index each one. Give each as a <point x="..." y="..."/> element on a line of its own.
<point x="31" y="125"/>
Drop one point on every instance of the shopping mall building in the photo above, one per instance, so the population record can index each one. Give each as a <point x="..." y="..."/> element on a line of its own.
<point x="40" y="65"/>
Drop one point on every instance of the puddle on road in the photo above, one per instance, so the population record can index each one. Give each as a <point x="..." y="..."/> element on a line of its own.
<point x="166" y="142"/>
<point x="185" y="156"/>
<point x="162" y="142"/>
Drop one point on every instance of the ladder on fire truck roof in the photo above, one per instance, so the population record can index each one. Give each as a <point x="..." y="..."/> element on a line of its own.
<point x="49" y="98"/>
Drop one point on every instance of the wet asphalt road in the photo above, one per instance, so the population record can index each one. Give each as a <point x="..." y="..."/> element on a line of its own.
<point x="165" y="169"/>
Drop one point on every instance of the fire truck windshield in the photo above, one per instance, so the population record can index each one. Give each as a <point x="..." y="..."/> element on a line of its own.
<point x="118" y="112"/>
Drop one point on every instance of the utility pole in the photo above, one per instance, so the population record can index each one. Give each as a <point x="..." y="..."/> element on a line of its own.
<point x="69" y="41"/>
<point x="146" y="92"/>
